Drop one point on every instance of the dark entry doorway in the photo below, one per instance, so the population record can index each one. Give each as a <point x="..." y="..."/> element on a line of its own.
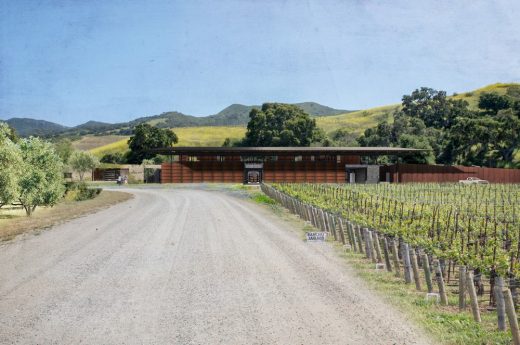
<point x="253" y="173"/>
<point x="253" y="176"/>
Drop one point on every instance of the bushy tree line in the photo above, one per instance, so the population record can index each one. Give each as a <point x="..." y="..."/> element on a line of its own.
<point x="450" y="131"/>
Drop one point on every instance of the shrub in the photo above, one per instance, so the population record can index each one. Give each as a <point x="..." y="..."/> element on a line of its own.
<point x="79" y="191"/>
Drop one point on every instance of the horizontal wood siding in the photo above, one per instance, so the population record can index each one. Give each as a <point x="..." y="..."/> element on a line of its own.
<point x="439" y="173"/>
<point x="202" y="171"/>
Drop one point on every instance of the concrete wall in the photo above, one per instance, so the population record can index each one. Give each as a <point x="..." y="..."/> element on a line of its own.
<point x="372" y="174"/>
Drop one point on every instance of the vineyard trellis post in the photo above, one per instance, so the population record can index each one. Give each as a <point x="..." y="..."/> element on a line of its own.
<point x="462" y="287"/>
<point x="407" y="265"/>
<point x="440" y="283"/>
<point x="395" y="255"/>
<point x="386" y="252"/>
<point x="499" y="301"/>
<point x="511" y="315"/>
<point x="472" y="296"/>
<point x="415" y="268"/>
<point x="427" y="273"/>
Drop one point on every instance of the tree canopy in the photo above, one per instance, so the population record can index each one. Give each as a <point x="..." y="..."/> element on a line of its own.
<point x="41" y="175"/>
<point x="451" y="131"/>
<point x="83" y="162"/>
<point x="10" y="161"/>
<point x="145" y="138"/>
<point x="277" y="124"/>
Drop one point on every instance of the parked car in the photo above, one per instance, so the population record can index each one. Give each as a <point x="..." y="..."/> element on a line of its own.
<point x="473" y="180"/>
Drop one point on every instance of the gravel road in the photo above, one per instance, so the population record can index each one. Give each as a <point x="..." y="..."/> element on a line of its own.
<point x="186" y="266"/>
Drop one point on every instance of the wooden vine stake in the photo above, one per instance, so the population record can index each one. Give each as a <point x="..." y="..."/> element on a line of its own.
<point x="350" y="227"/>
<point x="372" y="246"/>
<point x="407" y="264"/>
<point x="360" y="239"/>
<point x="378" y="247"/>
<point x="440" y="284"/>
<point x="472" y="296"/>
<point x="511" y="315"/>
<point x="427" y="273"/>
<point x="415" y="267"/>
<point x="368" y="251"/>
<point x="386" y="252"/>
<point x="499" y="300"/>
<point x="462" y="288"/>
<point x="395" y="256"/>
<point x="341" y="231"/>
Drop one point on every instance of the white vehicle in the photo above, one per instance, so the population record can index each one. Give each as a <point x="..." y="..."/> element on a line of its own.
<point x="473" y="180"/>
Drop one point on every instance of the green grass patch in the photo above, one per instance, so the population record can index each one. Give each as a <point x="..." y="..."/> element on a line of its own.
<point x="444" y="323"/>
<point x="262" y="199"/>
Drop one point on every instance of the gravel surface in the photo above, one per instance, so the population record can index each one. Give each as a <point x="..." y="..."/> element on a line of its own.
<point x="186" y="266"/>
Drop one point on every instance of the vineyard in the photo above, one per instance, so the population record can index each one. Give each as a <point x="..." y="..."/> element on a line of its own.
<point x="468" y="234"/>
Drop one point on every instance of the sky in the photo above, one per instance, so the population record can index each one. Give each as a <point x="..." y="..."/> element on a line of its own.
<point x="71" y="61"/>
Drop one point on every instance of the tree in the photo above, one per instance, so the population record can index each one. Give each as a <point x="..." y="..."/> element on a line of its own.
<point x="492" y="103"/>
<point x="41" y="176"/>
<point x="279" y="124"/>
<point x="83" y="162"/>
<point x="64" y="149"/>
<point x="10" y="162"/>
<point x="115" y="158"/>
<point x="145" y="138"/>
<point x="433" y="107"/>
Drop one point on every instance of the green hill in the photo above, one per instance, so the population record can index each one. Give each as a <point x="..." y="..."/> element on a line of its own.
<point x="26" y="127"/>
<point x="360" y="120"/>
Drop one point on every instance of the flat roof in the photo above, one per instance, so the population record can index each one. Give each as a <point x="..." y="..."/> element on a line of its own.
<point x="264" y="151"/>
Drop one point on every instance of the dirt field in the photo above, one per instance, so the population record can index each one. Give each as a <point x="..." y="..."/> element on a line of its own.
<point x="13" y="222"/>
<point x="186" y="266"/>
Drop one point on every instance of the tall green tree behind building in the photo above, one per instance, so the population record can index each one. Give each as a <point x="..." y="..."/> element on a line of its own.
<point x="277" y="124"/>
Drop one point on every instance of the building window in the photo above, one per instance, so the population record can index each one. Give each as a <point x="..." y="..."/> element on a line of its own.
<point x="298" y="158"/>
<point x="221" y="158"/>
<point x="193" y="159"/>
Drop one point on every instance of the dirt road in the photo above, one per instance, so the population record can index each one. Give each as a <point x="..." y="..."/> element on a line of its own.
<point x="186" y="266"/>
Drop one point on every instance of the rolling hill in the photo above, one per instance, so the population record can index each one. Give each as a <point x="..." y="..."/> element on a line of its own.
<point x="358" y="121"/>
<point x="188" y="136"/>
<point x="26" y="127"/>
<point x="233" y="115"/>
<point x="355" y="121"/>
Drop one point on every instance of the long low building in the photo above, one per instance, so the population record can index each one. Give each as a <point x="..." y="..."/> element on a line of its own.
<point x="273" y="164"/>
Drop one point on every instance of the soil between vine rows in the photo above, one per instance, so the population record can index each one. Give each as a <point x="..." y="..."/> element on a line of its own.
<point x="187" y="266"/>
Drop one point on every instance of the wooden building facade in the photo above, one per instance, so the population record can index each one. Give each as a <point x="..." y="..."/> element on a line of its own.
<point x="409" y="173"/>
<point x="268" y="164"/>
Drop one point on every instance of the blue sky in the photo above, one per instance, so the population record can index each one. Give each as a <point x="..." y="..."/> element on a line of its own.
<point x="73" y="61"/>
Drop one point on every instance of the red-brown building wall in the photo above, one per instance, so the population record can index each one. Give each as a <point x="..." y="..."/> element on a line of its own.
<point x="441" y="173"/>
<point x="231" y="170"/>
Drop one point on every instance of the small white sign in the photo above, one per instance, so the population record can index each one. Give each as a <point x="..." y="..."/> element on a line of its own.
<point x="316" y="236"/>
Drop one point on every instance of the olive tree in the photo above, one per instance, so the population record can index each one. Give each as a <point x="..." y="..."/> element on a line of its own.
<point x="10" y="163"/>
<point x="82" y="162"/>
<point x="41" y="175"/>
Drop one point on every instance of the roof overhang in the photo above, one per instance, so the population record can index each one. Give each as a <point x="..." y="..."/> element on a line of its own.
<point x="269" y="151"/>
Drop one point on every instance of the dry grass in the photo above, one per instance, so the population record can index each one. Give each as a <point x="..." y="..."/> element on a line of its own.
<point x="90" y="142"/>
<point x="14" y="222"/>
<point x="188" y="136"/>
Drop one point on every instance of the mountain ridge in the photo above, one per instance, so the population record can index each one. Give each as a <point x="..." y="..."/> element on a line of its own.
<point x="232" y="115"/>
